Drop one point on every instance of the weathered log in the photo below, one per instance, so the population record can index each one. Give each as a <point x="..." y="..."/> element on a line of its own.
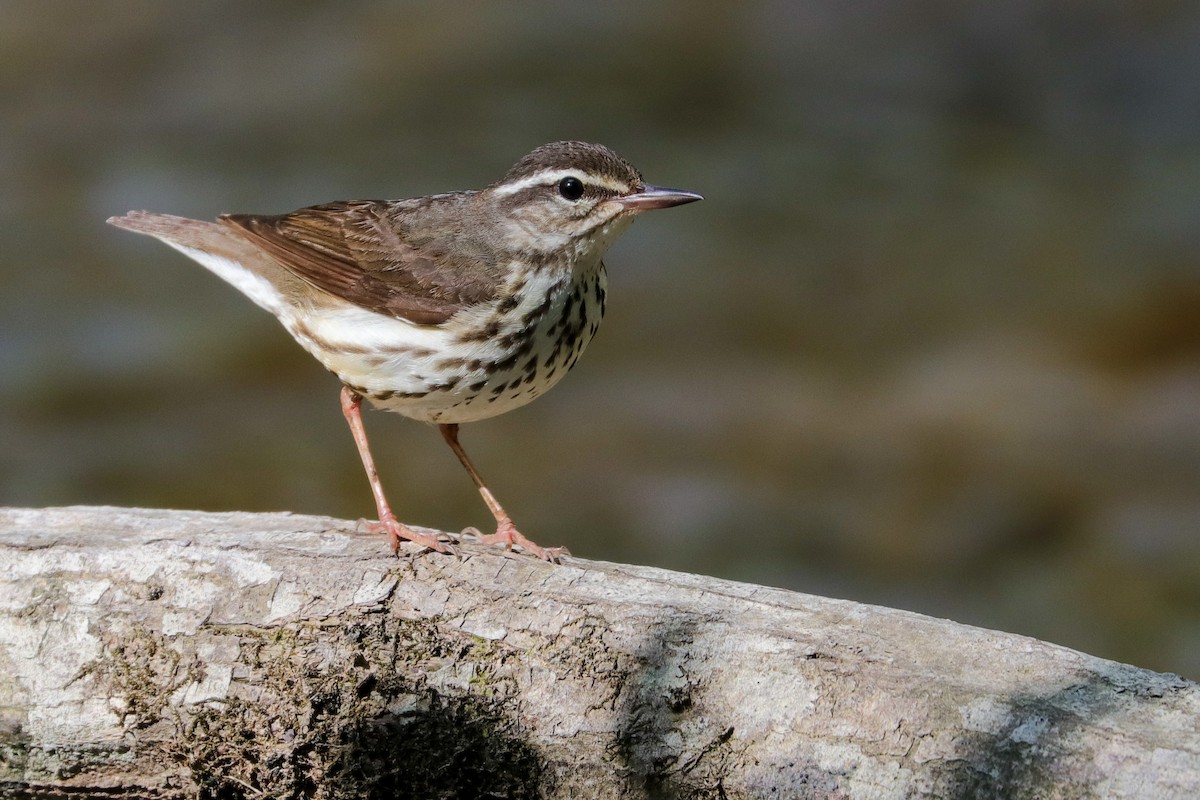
<point x="180" y="654"/>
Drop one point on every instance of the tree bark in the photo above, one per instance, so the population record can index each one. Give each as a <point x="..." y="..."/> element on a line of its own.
<point x="177" y="654"/>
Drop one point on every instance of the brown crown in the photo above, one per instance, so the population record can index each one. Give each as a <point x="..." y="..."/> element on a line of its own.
<point x="594" y="159"/>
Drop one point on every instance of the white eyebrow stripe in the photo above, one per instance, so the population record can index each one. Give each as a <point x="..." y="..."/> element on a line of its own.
<point x="548" y="177"/>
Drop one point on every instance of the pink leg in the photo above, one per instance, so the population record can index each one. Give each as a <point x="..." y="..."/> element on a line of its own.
<point x="351" y="404"/>
<point x="506" y="532"/>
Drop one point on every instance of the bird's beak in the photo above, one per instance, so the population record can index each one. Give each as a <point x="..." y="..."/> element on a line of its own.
<point x="649" y="197"/>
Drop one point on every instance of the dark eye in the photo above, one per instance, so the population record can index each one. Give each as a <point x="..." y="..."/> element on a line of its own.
<point x="571" y="188"/>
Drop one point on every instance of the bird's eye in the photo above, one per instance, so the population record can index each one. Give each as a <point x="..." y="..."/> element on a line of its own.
<point x="571" y="188"/>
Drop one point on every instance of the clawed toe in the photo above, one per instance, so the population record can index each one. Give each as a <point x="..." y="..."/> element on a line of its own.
<point x="396" y="531"/>
<point x="510" y="537"/>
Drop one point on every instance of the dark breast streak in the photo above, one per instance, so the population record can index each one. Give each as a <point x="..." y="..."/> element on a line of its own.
<point x="548" y="343"/>
<point x="527" y="358"/>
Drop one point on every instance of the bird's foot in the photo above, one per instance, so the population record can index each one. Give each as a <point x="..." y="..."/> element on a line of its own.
<point x="508" y="535"/>
<point x="397" y="530"/>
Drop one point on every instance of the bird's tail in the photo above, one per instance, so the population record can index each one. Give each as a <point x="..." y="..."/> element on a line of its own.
<point x="221" y="250"/>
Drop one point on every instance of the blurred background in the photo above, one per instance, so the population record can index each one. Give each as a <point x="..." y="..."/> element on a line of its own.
<point x="932" y="340"/>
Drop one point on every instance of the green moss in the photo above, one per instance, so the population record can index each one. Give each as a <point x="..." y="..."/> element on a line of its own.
<point x="311" y="722"/>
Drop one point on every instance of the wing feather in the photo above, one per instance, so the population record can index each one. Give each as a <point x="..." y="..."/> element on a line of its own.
<point x="362" y="252"/>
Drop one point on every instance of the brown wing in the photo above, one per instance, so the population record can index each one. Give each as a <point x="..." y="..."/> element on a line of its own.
<point x="356" y="251"/>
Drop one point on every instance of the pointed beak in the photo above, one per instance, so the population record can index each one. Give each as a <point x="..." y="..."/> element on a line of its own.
<point x="649" y="197"/>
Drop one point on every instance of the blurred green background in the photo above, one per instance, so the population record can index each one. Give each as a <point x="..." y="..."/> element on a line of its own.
<point x="932" y="340"/>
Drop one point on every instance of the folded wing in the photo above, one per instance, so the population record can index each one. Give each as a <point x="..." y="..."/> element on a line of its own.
<point x="359" y="251"/>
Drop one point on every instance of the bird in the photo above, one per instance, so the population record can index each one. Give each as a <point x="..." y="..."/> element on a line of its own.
<point x="447" y="309"/>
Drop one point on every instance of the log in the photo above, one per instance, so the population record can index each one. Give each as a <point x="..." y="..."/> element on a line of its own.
<point x="163" y="654"/>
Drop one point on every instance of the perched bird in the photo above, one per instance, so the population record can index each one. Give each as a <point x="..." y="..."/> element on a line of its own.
<point x="447" y="309"/>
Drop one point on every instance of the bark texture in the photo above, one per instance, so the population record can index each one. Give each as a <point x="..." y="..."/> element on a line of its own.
<point x="179" y="654"/>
